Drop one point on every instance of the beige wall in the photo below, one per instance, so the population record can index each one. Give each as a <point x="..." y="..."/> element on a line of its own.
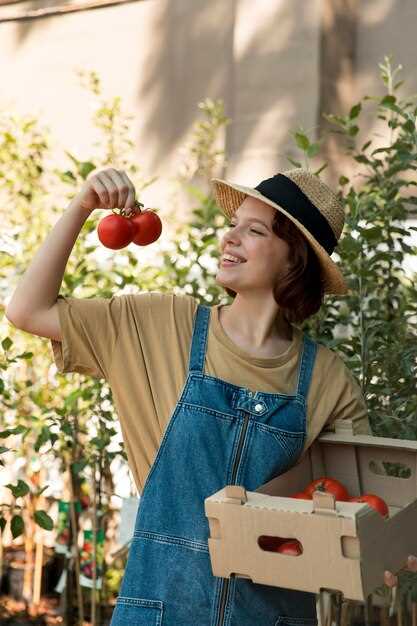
<point x="164" y="56"/>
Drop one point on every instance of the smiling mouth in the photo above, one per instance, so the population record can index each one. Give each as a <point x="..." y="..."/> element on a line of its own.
<point x="227" y="263"/>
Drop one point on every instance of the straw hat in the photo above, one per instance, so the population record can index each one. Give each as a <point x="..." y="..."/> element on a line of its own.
<point x="308" y="202"/>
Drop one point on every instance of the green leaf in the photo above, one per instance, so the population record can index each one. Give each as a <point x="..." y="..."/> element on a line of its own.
<point x="98" y="442"/>
<point x="12" y="431"/>
<point x="43" y="520"/>
<point x="17" y="526"/>
<point x="3" y="449"/>
<point x="25" y="355"/>
<point x="409" y="126"/>
<point x="371" y="234"/>
<point x="3" y="523"/>
<point x="361" y="158"/>
<point x="302" y="140"/>
<point x="72" y="157"/>
<point x="388" y="100"/>
<point x="355" y="110"/>
<point x="353" y="130"/>
<point x="67" y="429"/>
<point x="67" y="176"/>
<point x="85" y="168"/>
<point x="6" y="343"/>
<point x="78" y="466"/>
<point x="20" y="489"/>
<point x="43" y="437"/>
<point x="313" y="150"/>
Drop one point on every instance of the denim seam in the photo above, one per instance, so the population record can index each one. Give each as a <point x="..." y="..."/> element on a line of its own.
<point x="203" y="409"/>
<point x="144" y="603"/>
<point x="197" y="546"/>
<point x="229" y="416"/>
<point x="153" y="604"/>
<point x="273" y="430"/>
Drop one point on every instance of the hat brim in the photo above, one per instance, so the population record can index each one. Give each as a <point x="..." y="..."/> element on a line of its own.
<point x="230" y="196"/>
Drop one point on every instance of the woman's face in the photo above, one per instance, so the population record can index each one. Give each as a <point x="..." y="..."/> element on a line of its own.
<point x="266" y="255"/>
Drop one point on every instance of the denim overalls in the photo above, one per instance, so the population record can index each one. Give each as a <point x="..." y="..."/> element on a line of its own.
<point x="219" y="434"/>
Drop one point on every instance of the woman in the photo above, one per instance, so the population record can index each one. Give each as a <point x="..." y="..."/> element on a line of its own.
<point x="207" y="396"/>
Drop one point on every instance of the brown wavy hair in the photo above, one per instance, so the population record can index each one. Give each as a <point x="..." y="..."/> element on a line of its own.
<point x="300" y="293"/>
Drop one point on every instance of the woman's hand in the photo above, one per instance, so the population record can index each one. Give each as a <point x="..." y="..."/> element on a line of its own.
<point x="391" y="580"/>
<point x="107" y="189"/>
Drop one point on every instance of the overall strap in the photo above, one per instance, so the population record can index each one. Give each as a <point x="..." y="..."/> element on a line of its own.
<point x="305" y="370"/>
<point x="199" y="340"/>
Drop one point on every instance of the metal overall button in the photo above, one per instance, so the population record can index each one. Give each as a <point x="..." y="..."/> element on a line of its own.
<point x="259" y="407"/>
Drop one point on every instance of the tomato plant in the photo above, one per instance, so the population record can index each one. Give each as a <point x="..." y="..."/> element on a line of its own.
<point x="328" y="485"/>
<point x="375" y="502"/>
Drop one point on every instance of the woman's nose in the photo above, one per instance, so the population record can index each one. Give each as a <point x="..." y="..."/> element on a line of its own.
<point x="231" y="236"/>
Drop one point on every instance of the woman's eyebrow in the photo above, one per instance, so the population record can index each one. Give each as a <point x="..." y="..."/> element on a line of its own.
<point x="252" y="219"/>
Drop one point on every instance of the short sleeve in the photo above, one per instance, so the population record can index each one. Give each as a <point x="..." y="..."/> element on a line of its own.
<point x="89" y="329"/>
<point x="350" y="404"/>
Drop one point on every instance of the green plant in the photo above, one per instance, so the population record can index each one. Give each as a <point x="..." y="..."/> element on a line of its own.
<point x="374" y="327"/>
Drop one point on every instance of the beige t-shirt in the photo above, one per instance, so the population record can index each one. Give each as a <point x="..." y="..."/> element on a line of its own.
<point x="140" y="344"/>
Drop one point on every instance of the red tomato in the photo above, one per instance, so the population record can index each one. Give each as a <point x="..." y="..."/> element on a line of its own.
<point x="148" y="227"/>
<point x="269" y="543"/>
<point x="115" y="231"/>
<point x="328" y="485"/>
<point x="291" y="547"/>
<point x="374" y="502"/>
<point x="301" y="495"/>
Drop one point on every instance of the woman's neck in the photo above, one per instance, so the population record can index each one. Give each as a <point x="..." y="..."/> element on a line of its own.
<point x="259" y="333"/>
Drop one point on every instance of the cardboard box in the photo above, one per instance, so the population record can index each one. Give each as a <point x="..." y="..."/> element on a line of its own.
<point x="346" y="546"/>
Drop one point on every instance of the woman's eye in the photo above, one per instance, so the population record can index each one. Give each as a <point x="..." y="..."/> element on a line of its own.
<point x="252" y="229"/>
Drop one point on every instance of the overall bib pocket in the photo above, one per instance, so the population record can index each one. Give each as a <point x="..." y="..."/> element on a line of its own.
<point x="137" y="612"/>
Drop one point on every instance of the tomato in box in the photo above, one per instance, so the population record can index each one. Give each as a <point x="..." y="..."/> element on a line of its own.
<point x="328" y="485"/>
<point x="375" y="502"/>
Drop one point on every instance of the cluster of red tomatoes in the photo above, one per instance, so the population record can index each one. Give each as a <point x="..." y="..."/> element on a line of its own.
<point x="328" y="485"/>
<point x="117" y="231"/>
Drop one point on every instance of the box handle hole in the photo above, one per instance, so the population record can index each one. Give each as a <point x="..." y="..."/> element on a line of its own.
<point x="282" y="545"/>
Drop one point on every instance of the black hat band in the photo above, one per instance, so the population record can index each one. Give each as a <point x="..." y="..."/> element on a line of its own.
<point x="288" y="195"/>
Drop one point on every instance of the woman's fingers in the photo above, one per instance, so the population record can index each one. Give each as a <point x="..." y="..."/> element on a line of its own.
<point x="112" y="189"/>
<point x="121" y="182"/>
<point x="131" y="194"/>
<point x="101" y="190"/>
